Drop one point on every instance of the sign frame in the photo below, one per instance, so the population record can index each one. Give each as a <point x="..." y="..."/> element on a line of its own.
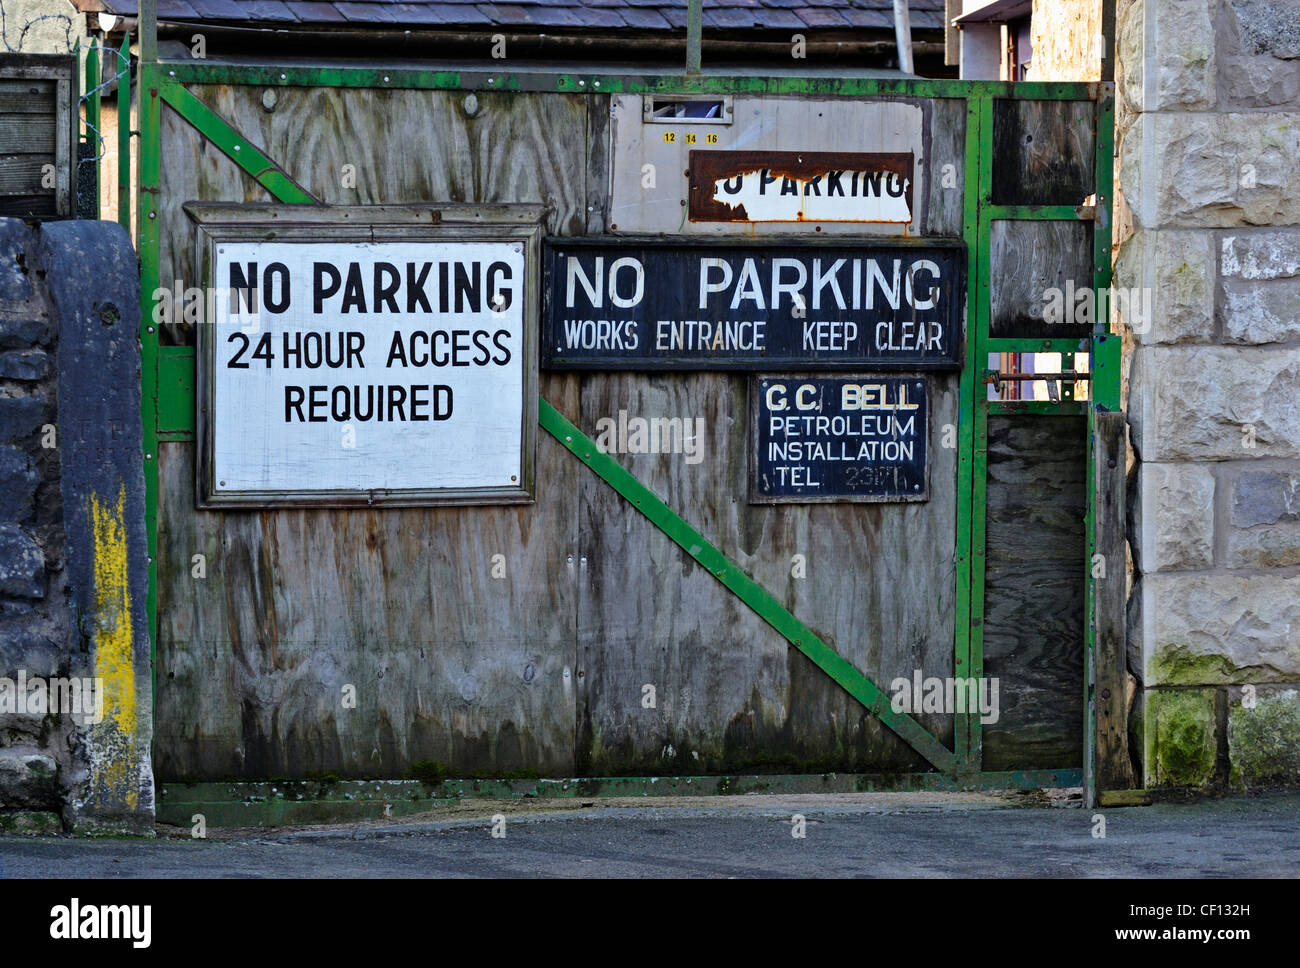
<point x="220" y="222"/>
<point x="752" y="442"/>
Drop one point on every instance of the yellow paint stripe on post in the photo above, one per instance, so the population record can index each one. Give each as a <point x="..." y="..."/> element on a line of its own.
<point x="114" y="667"/>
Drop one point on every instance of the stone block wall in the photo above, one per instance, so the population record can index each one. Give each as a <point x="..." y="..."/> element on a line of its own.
<point x="1208" y="214"/>
<point x="73" y="555"/>
<point x="35" y="623"/>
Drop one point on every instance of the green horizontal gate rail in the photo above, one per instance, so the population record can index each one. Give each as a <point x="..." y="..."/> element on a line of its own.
<point x="273" y="803"/>
<point x="168" y="403"/>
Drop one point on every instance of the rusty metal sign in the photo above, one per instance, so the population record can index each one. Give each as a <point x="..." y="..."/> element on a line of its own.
<point x="800" y="186"/>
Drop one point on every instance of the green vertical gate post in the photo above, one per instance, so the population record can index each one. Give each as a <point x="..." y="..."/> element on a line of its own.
<point x="967" y="752"/>
<point x="149" y="176"/>
<point x="124" y="143"/>
<point x="980" y="316"/>
<point x="694" y="35"/>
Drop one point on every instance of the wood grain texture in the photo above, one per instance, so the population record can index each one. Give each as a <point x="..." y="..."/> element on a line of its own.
<point x="21" y="174"/>
<point x="1044" y="152"/>
<point x="449" y="663"/>
<point x="1034" y="587"/>
<point x="25" y="134"/>
<point x="731" y="693"/>
<point x="1029" y="258"/>
<point x="1114" y="770"/>
<point x="27" y="96"/>
<point x="946" y="134"/>
<point x="403" y="146"/>
<point x="28" y="206"/>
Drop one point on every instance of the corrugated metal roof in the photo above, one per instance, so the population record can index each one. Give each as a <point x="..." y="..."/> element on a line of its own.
<point x="551" y="14"/>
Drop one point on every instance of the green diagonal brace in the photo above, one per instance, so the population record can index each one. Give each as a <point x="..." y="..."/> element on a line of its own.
<point x="745" y="588"/>
<point x="236" y="147"/>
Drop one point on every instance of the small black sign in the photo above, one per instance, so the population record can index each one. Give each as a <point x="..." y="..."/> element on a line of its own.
<point x="850" y="438"/>
<point x="644" y="305"/>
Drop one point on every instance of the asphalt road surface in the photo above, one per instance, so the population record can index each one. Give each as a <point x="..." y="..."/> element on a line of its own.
<point x="846" y="835"/>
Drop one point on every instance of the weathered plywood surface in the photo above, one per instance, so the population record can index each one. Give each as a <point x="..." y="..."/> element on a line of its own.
<point x="731" y="693"/>
<point x="947" y="146"/>
<point x="1044" y="152"/>
<point x="1034" y="591"/>
<point x="402" y="146"/>
<point x="449" y="663"/>
<point x="543" y="669"/>
<point x="1028" y="260"/>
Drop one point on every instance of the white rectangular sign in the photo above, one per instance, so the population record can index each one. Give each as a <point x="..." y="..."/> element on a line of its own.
<point x="376" y="369"/>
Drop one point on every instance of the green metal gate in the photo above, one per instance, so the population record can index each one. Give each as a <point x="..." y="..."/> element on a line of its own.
<point x="169" y="370"/>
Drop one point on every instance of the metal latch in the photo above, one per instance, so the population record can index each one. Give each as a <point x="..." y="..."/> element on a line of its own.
<point x="997" y="378"/>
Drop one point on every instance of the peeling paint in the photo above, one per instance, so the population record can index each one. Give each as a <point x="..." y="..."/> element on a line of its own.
<point x="112" y="765"/>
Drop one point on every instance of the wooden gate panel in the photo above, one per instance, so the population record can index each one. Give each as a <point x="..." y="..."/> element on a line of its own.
<point x="879" y="588"/>
<point x="1034" y="591"/>
<point x="1045" y="151"/>
<point x="449" y="663"/>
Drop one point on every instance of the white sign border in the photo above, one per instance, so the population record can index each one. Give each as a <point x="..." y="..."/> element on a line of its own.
<point x="218" y="223"/>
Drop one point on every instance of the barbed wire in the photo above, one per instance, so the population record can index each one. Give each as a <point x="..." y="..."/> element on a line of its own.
<point x="71" y="46"/>
<point x="68" y="26"/>
<point x="124" y="68"/>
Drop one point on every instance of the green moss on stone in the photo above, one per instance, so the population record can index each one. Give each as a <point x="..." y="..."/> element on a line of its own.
<point x="1183" y="744"/>
<point x="31" y="822"/>
<point x="1177" y="665"/>
<point x="1264" y="742"/>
